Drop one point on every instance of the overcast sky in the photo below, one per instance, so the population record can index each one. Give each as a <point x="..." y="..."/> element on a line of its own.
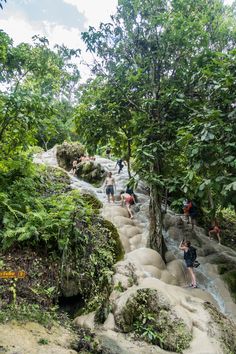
<point x="61" y="21"/>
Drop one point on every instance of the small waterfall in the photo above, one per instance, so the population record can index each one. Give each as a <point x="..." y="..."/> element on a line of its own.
<point x="205" y="280"/>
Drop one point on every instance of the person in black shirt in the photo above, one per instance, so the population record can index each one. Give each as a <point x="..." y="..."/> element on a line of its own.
<point x="189" y="257"/>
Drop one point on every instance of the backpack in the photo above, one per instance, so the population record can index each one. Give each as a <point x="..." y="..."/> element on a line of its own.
<point x="193" y="211"/>
<point x="120" y="163"/>
<point x="193" y="253"/>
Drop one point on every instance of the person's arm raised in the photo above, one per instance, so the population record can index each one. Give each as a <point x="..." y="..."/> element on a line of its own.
<point x="181" y="245"/>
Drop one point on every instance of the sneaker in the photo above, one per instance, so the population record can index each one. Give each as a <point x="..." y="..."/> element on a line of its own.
<point x="194" y="286"/>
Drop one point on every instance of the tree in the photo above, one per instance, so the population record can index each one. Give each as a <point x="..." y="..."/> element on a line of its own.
<point x="159" y="47"/>
<point x="34" y="79"/>
<point x="103" y="102"/>
<point x="1" y="3"/>
<point x="209" y="140"/>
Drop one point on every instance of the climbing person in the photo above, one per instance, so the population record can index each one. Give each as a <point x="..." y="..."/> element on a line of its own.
<point x="74" y="166"/>
<point x="120" y="163"/>
<point x="130" y="190"/>
<point x="110" y="186"/>
<point x="186" y="209"/>
<point x="190" y="212"/>
<point x="128" y="200"/>
<point x="190" y="256"/>
<point x="108" y="152"/>
<point x="193" y="213"/>
<point x="215" y="230"/>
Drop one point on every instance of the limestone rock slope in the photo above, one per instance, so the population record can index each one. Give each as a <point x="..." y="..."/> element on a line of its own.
<point x="149" y="299"/>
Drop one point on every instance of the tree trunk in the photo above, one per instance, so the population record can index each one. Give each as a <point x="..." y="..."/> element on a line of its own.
<point x="212" y="204"/>
<point x="156" y="240"/>
<point x="128" y="156"/>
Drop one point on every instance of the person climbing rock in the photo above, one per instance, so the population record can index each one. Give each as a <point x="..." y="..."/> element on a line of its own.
<point x="215" y="230"/>
<point x="193" y="213"/>
<point x="110" y="186"/>
<point x="120" y="163"/>
<point x="189" y="257"/>
<point x="74" y="166"/>
<point x="186" y="209"/>
<point x="130" y="190"/>
<point x="128" y="200"/>
<point x="190" y="212"/>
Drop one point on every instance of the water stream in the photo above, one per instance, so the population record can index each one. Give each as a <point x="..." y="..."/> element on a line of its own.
<point x="205" y="280"/>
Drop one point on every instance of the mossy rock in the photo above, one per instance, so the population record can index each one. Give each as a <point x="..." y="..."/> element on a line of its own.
<point x="67" y="153"/>
<point x="92" y="201"/>
<point x="229" y="276"/>
<point x="119" y="250"/>
<point x="92" y="172"/>
<point x="148" y="314"/>
<point x="230" y="279"/>
<point x="226" y="327"/>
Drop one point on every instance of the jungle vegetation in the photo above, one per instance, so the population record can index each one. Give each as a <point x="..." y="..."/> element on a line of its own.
<point x="161" y="94"/>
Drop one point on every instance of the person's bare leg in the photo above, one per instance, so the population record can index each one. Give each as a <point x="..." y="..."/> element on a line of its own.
<point x="218" y="236"/>
<point x="108" y="198"/>
<point x="129" y="211"/>
<point x="192" y="223"/>
<point x="192" y="275"/>
<point x="113" y="198"/>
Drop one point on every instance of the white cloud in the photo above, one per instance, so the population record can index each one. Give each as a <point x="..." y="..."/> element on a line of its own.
<point x="95" y="11"/>
<point x="19" y="29"/>
<point x="56" y="34"/>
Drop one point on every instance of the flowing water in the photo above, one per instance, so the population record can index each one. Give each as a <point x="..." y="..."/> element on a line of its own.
<point x="205" y="279"/>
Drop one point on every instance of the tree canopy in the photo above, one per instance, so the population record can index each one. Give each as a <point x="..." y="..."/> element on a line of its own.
<point x="37" y="86"/>
<point x="162" y="94"/>
<point x="166" y="74"/>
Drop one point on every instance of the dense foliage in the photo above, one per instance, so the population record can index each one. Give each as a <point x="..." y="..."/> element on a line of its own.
<point x="54" y="234"/>
<point x="164" y="93"/>
<point x="37" y="91"/>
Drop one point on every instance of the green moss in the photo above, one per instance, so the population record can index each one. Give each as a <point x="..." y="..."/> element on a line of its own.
<point x="52" y="180"/>
<point x="119" y="250"/>
<point x="230" y="279"/>
<point x="32" y="312"/>
<point x="149" y="316"/>
<point x="87" y="167"/>
<point x="92" y="172"/>
<point x="92" y="201"/>
<point x="229" y="276"/>
<point x="227" y="329"/>
<point x="67" y="152"/>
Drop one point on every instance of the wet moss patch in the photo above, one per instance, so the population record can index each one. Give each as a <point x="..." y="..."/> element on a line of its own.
<point x="119" y="250"/>
<point x="228" y="272"/>
<point x="148" y="315"/>
<point x="226" y="327"/>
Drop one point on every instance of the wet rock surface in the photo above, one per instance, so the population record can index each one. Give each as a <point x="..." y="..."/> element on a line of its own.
<point x="143" y="270"/>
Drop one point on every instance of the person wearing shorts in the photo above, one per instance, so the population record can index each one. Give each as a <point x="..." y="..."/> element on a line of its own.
<point x="128" y="200"/>
<point x="185" y="246"/>
<point x="215" y="230"/>
<point x="110" y="186"/>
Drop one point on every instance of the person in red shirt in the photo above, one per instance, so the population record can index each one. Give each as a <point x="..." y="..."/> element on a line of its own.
<point x="215" y="230"/>
<point x="128" y="200"/>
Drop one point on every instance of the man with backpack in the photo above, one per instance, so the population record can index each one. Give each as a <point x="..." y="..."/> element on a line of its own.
<point x="190" y="210"/>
